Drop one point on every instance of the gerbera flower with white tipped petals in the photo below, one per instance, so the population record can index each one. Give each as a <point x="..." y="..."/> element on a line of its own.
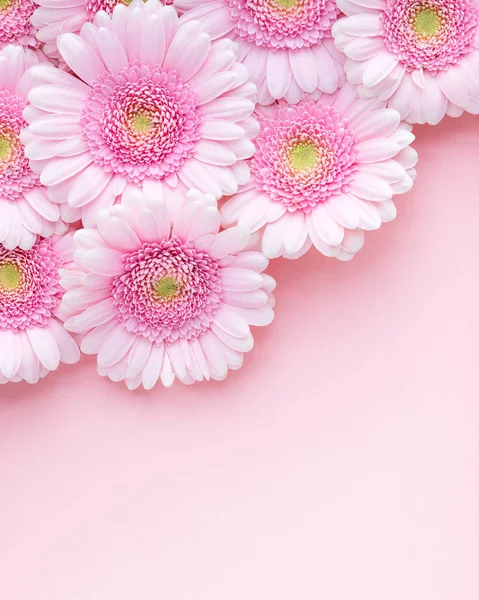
<point x="32" y="339"/>
<point x="25" y="209"/>
<point x="155" y="102"/>
<point x="421" y="56"/>
<point x="286" y="44"/>
<point x="159" y="292"/>
<point x="324" y="172"/>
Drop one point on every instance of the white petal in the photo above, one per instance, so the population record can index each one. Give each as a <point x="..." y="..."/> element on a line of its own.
<point x="115" y="346"/>
<point x="229" y="241"/>
<point x="370" y="187"/>
<point x="278" y="73"/>
<point x="45" y="347"/>
<point x="80" y="57"/>
<point x="153" y="367"/>
<point x="240" y="280"/>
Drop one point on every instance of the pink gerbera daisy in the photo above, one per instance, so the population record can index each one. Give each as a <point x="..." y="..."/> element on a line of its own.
<point x="159" y="292"/>
<point x="324" y="171"/>
<point x="155" y="102"/>
<point x="421" y="56"/>
<point x="32" y="338"/>
<point x="53" y="17"/>
<point x="25" y="209"/>
<point x="286" y="44"/>
<point x="15" y="25"/>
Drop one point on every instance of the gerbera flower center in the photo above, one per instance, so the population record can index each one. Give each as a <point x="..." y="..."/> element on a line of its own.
<point x="287" y="3"/>
<point x="16" y="177"/>
<point x="30" y="289"/>
<point x="10" y="276"/>
<point x="5" y="4"/>
<point x="148" y="123"/>
<point x="168" y="291"/>
<point x="427" y="22"/>
<point x="283" y="23"/>
<point x="430" y="34"/>
<point x="166" y="287"/>
<point x="304" y="154"/>
<point x="15" y="22"/>
<point x="5" y="148"/>
<point x="142" y="122"/>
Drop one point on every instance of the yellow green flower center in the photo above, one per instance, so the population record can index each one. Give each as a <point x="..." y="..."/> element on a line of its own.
<point x="427" y="22"/>
<point x="303" y="156"/>
<point x="10" y="276"/>
<point x="166" y="287"/>
<point x="5" y="144"/>
<point x="286" y="3"/>
<point x="5" y="4"/>
<point x="142" y="122"/>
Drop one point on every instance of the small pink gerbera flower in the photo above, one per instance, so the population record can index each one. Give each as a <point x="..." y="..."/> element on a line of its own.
<point x="159" y="292"/>
<point x="25" y="209"/>
<point x="155" y="102"/>
<point x="15" y="25"/>
<point x="286" y="44"/>
<point x="32" y="338"/>
<point x="421" y="56"/>
<point x="324" y="171"/>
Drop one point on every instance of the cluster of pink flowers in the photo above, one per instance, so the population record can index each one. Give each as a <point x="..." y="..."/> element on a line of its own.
<point x="155" y="155"/>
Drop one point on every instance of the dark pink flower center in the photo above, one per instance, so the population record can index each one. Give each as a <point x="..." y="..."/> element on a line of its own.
<point x="16" y="177"/>
<point x="168" y="291"/>
<point x="283" y="23"/>
<point x="304" y="155"/>
<point x="15" y="27"/>
<point x="30" y="288"/>
<point x="141" y="122"/>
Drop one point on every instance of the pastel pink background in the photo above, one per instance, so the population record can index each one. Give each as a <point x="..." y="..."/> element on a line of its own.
<point x="341" y="463"/>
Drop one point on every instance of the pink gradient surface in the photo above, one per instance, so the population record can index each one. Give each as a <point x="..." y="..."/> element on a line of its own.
<point x="341" y="463"/>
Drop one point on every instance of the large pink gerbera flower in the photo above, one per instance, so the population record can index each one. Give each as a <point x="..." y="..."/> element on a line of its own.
<point x="32" y="338"/>
<point x="156" y="102"/>
<point x="286" y="44"/>
<point x="159" y="292"/>
<point x="25" y="209"/>
<point x="421" y="56"/>
<point x="15" y="25"/>
<point x="323" y="173"/>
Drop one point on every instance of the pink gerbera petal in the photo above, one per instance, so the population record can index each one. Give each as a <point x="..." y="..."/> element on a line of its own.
<point x="173" y="296"/>
<point x="67" y="16"/>
<point x="421" y="56"/>
<point x="323" y="172"/>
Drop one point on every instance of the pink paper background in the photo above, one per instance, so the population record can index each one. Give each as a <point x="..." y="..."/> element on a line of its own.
<point x="341" y="463"/>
